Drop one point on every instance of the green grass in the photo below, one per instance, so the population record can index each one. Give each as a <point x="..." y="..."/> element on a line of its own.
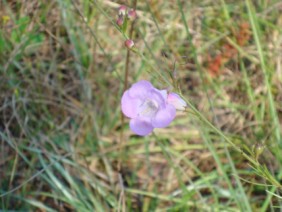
<point x="64" y="145"/>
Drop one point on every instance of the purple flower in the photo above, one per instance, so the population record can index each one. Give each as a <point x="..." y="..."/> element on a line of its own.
<point x="147" y="107"/>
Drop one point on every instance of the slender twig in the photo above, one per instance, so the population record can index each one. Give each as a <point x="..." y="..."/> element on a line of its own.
<point x="125" y="85"/>
<point x="253" y="163"/>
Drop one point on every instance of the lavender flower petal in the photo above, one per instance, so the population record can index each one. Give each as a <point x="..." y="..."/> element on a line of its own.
<point x="141" y="126"/>
<point x="164" y="116"/>
<point x="164" y="93"/>
<point x="129" y="105"/>
<point x="140" y="89"/>
<point x="158" y="96"/>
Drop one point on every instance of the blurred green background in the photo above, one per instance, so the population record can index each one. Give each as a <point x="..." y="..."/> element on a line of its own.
<point x="64" y="145"/>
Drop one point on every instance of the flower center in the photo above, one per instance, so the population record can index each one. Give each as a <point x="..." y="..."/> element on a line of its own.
<point x="148" y="108"/>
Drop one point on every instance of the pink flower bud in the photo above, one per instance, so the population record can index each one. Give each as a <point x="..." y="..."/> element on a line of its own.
<point x="129" y="43"/>
<point x="132" y="15"/>
<point x="120" y="21"/>
<point x="122" y="10"/>
<point x="176" y="101"/>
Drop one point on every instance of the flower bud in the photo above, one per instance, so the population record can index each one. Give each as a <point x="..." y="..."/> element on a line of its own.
<point x="176" y="101"/>
<point x="132" y="15"/>
<point x="129" y="43"/>
<point x="120" y="21"/>
<point x="122" y="10"/>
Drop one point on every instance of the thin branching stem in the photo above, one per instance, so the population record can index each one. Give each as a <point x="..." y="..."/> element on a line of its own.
<point x="126" y="75"/>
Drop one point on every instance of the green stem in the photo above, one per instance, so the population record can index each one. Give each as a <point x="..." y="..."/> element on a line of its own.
<point x="202" y="118"/>
<point x="255" y="163"/>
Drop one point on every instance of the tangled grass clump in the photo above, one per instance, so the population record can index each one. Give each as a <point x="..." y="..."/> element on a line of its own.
<point x="64" y="144"/>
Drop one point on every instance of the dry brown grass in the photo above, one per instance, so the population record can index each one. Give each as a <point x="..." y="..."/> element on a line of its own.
<point x="61" y="81"/>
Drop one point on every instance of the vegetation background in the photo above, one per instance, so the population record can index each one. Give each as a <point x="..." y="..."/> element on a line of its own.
<point x="64" y="145"/>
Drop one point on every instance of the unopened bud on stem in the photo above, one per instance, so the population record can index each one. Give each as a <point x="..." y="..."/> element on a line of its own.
<point x="122" y="10"/>
<point x="129" y="43"/>
<point x="132" y="15"/>
<point x="176" y="101"/>
<point x="120" y="21"/>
